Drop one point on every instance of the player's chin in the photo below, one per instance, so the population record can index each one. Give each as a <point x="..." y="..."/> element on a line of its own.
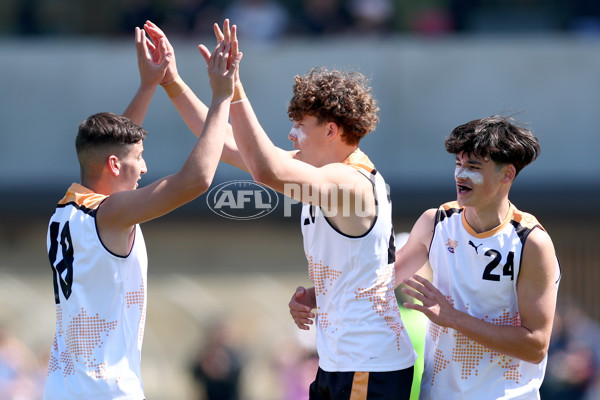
<point x="463" y="197"/>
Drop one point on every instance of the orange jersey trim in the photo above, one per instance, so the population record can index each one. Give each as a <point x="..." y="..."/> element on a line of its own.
<point x="358" y="159"/>
<point x="82" y="197"/>
<point x="524" y="219"/>
<point x="491" y="232"/>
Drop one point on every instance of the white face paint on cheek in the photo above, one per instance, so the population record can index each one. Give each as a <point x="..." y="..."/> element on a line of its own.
<point x="465" y="173"/>
<point x="298" y="134"/>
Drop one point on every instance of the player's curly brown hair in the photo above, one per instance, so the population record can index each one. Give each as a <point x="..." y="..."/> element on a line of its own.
<point x="335" y="96"/>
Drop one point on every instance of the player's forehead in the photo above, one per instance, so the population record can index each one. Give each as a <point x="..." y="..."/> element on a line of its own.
<point x="307" y="119"/>
<point x="473" y="159"/>
<point x="135" y="148"/>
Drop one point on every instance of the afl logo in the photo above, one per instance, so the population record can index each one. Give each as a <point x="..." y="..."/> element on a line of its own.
<point x="242" y="200"/>
<point x="451" y="245"/>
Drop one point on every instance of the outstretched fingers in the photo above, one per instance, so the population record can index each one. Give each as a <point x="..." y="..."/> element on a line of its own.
<point x="414" y="283"/>
<point x="154" y="31"/>
<point x="235" y="48"/>
<point x="141" y="45"/>
<point x="417" y="288"/>
<point x="205" y="53"/>
<point x="225" y="34"/>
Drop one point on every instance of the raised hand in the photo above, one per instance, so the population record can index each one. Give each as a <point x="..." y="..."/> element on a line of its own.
<point x="157" y="35"/>
<point x="229" y="35"/>
<point x="153" y="60"/>
<point x="301" y="306"/>
<point x="221" y="70"/>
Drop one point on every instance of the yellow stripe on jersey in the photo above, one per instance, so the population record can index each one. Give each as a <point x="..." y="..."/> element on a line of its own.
<point x="358" y="159"/>
<point x="82" y="196"/>
<point x="360" y="385"/>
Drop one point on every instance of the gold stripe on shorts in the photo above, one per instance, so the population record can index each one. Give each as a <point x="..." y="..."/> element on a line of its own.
<point x="360" y="385"/>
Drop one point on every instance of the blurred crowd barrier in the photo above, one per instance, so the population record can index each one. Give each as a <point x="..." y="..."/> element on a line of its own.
<point x="273" y="19"/>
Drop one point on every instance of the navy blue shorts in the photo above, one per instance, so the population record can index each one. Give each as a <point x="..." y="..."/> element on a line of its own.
<point x="392" y="385"/>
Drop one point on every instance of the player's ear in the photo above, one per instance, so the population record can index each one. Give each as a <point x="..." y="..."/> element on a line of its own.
<point x="113" y="165"/>
<point x="332" y="130"/>
<point x="509" y="172"/>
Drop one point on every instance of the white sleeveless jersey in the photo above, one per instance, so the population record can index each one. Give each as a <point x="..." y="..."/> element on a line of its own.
<point x="358" y="323"/>
<point x="478" y="274"/>
<point x="100" y="302"/>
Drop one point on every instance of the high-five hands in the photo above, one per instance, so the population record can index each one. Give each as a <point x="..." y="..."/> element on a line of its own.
<point x="156" y="47"/>
<point x="154" y="59"/>
<point x="221" y="69"/>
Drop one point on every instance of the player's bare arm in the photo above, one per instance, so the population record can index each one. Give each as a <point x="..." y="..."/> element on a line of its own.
<point x="192" y="110"/>
<point x="537" y="298"/>
<point x="153" y="64"/>
<point x="124" y="209"/>
<point x="413" y="255"/>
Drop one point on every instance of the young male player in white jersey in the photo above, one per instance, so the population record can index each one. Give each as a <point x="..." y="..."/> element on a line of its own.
<point x="95" y="244"/>
<point x="363" y="347"/>
<point x="495" y="274"/>
<point x="364" y="350"/>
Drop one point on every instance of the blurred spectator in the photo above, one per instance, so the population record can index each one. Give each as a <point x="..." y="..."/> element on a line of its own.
<point x="258" y="20"/>
<point x="192" y="17"/>
<point x="321" y="17"/>
<point x="573" y="357"/>
<point x="218" y="366"/>
<point x="371" y="16"/>
<point x="135" y="13"/>
<point x="296" y="363"/>
<point x="432" y="21"/>
<point x="27" y="18"/>
<point x="508" y="16"/>
<point x="585" y="17"/>
<point x="19" y="370"/>
<point x="270" y="19"/>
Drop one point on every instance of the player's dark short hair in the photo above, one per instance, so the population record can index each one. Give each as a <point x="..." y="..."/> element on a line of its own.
<point x="498" y="137"/>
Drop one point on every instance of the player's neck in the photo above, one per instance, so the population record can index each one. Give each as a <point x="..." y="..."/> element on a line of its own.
<point x="483" y="219"/>
<point x="97" y="186"/>
<point x="343" y="152"/>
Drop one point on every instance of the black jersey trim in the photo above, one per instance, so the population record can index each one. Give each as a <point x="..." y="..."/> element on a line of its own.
<point x="523" y="233"/>
<point x="88" y="211"/>
<point x="106" y="248"/>
<point x="372" y="181"/>
<point x="345" y="234"/>
<point x="442" y="214"/>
